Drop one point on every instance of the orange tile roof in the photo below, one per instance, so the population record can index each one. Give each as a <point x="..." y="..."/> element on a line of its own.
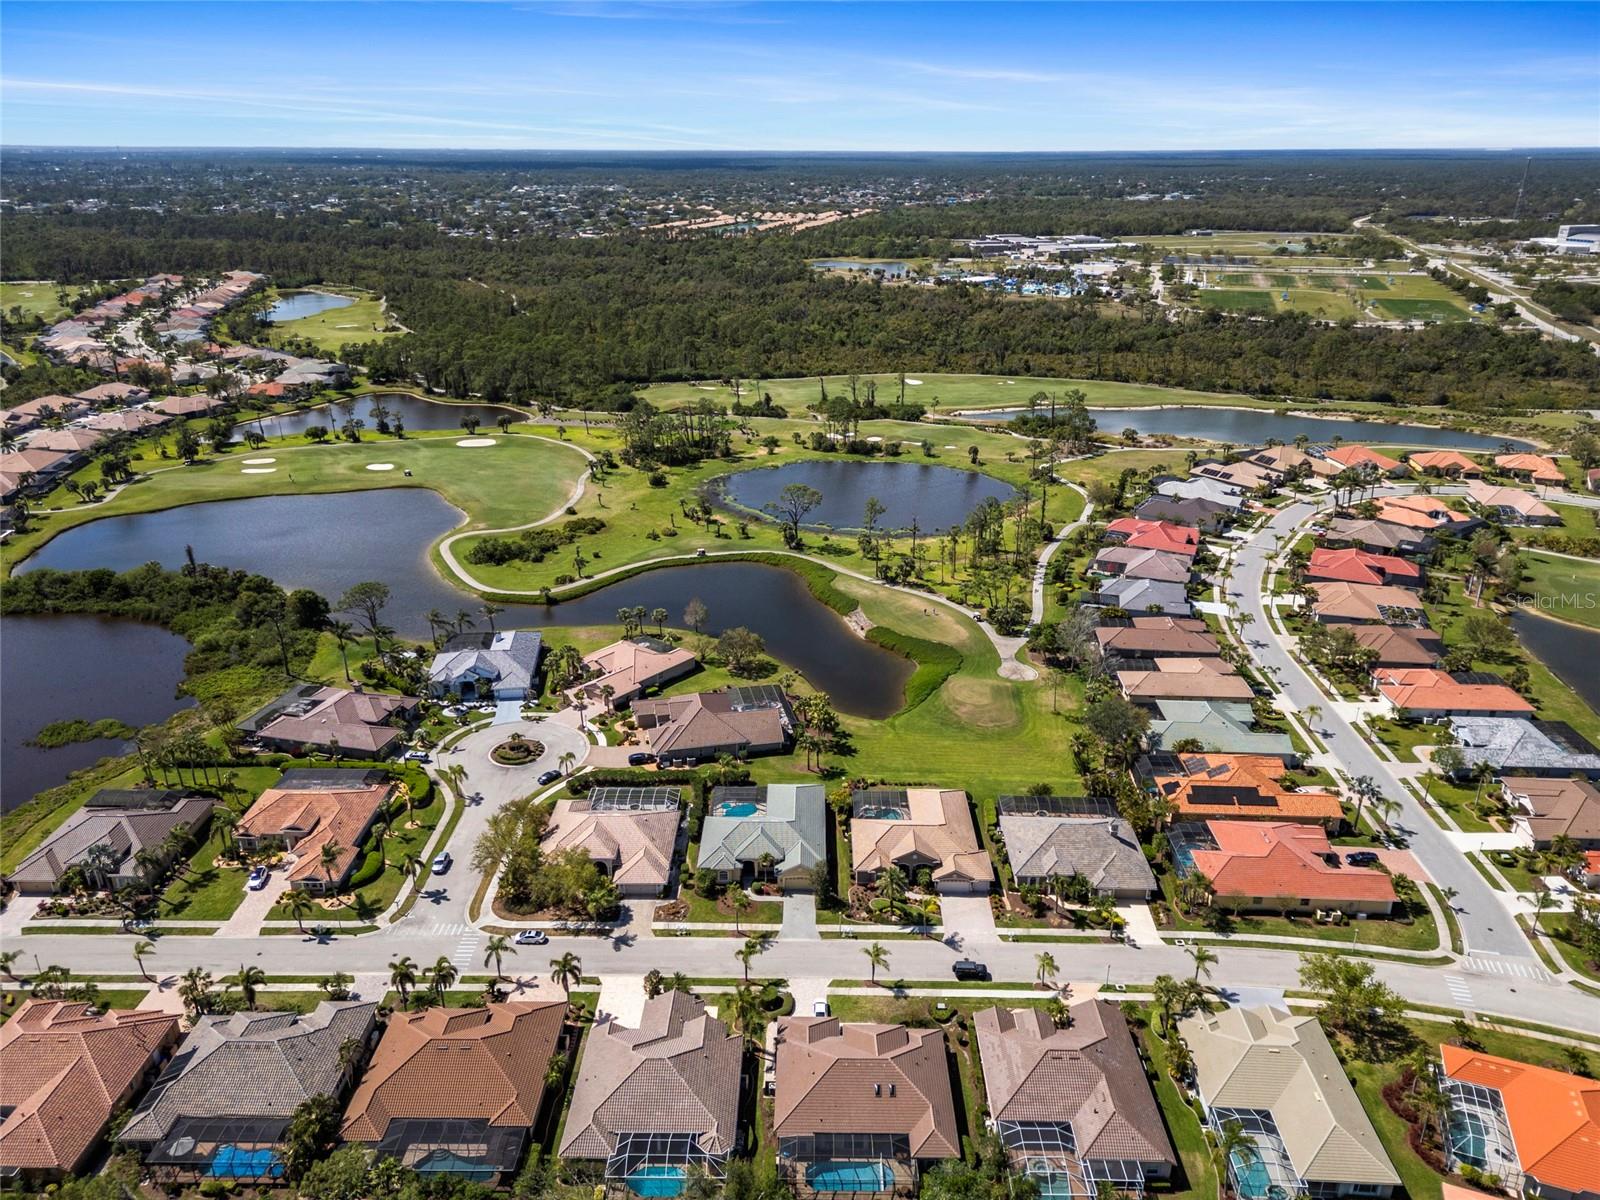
<point x="1554" y="1116"/>
<point x="1536" y="465"/>
<point x="1359" y="566"/>
<point x="1283" y="859"/>
<point x="1444" y="460"/>
<point x="62" y="1072"/>
<point x="1418" y="512"/>
<point x="338" y="815"/>
<point x="483" y="1064"/>
<point x="1243" y="787"/>
<point x="1429" y="689"/>
<point x="1358" y="456"/>
<point x="1155" y="535"/>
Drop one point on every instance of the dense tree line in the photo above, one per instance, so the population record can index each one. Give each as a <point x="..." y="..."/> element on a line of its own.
<point x="1574" y="301"/>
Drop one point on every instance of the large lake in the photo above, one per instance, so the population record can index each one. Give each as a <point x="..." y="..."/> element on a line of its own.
<point x="61" y="668"/>
<point x="414" y="411"/>
<point x="1568" y="650"/>
<point x="1251" y="427"/>
<point x="936" y="497"/>
<point x="333" y="541"/>
<point x="294" y="305"/>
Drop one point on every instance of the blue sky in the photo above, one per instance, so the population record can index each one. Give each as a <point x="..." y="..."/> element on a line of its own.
<point x="777" y="76"/>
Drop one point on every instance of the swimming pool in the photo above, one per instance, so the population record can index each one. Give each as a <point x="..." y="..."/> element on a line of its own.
<point x="234" y="1162"/>
<point x="881" y="812"/>
<point x="849" y="1177"/>
<point x="737" y="808"/>
<point x="655" y="1181"/>
<point x="1250" y="1174"/>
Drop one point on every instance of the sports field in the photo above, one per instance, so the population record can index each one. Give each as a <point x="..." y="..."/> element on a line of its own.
<point x="1332" y="295"/>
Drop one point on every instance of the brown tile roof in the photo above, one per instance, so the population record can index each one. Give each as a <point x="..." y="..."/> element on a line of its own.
<point x="186" y="406"/>
<point x="1557" y="806"/>
<point x="356" y="719"/>
<point x="1087" y="1075"/>
<point x="1363" y="601"/>
<point x="15" y="462"/>
<point x="1202" y="682"/>
<point x="67" y="441"/>
<point x="628" y="667"/>
<point x="1242" y="787"/>
<point x="1133" y="562"/>
<point x="636" y="847"/>
<point x="1401" y="646"/>
<point x="317" y="817"/>
<point x="1132" y="640"/>
<point x="1489" y="496"/>
<point x="677" y="1073"/>
<point x="865" y="1078"/>
<point x="63" y="1071"/>
<point x="937" y="831"/>
<point x="703" y="721"/>
<point x="1429" y="689"/>
<point x="1254" y="858"/>
<point x="485" y="1064"/>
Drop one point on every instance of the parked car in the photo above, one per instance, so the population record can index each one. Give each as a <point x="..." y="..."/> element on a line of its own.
<point x="441" y="862"/>
<point x="416" y="756"/>
<point x="819" y="1008"/>
<point x="1361" y="858"/>
<point x="257" y="880"/>
<point x="966" y="968"/>
<point x="549" y="777"/>
<point x="532" y="937"/>
<point x="640" y="759"/>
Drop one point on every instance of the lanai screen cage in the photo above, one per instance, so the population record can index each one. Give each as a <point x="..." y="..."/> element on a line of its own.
<point x="1263" y="1171"/>
<point x="1047" y="1152"/>
<point x="470" y="1149"/>
<point x="1477" y="1132"/>
<point x="636" y="1151"/>
<point x="246" y="1148"/>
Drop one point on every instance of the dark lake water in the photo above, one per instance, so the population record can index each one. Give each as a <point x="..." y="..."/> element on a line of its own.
<point x="1245" y="427"/>
<point x="305" y="304"/>
<point x="891" y="270"/>
<point x="938" y="497"/>
<point x="1569" y="652"/>
<point x="330" y="542"/>
<point x="416" y="412"/>
<point x="66" y="667"/>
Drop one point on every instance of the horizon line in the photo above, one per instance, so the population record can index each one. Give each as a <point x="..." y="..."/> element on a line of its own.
<point x="688" y="152"/>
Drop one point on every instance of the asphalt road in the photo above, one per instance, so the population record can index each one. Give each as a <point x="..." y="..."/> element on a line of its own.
<point x="1486" y="924"/>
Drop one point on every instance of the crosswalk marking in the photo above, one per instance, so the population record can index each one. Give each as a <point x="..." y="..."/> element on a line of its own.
<point x="466" y="951"/>
<point x="1459" y="991"/>
<point x="449" y="930"/>
<point x="1520" y="968"/>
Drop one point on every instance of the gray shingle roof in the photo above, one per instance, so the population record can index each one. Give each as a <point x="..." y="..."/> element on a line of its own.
<point x="1219" y="725"/>
<point x="126" y="830"/>
<point x="1103" y="850"/>
<point x="791" y="826"/>
<point x="261" y="1064"/>
<point x="509" y="659"/>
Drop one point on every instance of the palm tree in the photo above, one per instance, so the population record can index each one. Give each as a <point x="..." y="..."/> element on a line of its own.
<point x="567" y="761"/>
<point x="350" y="1052"/>
<point x="748" y="1016"/>
<point x="739" y="900"/>
<point x="224" y="819"/>
<point x="301" y="906"/>
<point x="493" y="949"/>
<point x="343" y="633"/>
<point x="566" y="971"/>
<point x="490" y="611"/>
<point x="1233" y="1141"/>
<point x="195" y="991"/>
<point x="7" y="958"/>
<point x="877" y="956"/>
<point x="1047" y="968"/>
<point x="378" y="832"/>
<point x="1203" y="958"/>
<point x="751" y="948"/>
<point x="247" y="981"/>
<point x="892" y="883"/>
<point x="140" y="951"/>
<point x="402" y="977"/>
<point x="444" y="974"/>
<point x="329" y="858"/>
<point x="1541" y="901"/>
<point x="412" y="865"/>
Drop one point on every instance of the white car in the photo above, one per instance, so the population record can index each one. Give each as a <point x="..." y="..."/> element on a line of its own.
<point x="819" y="1008"/>
<point x="532" y="937"/>
<point x="441" y="862"/>
<point x="257" y="880"/>
<point x="416" y="756"/>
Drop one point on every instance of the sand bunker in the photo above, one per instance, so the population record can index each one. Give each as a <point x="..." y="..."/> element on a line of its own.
<point x="257" y="462"/>
<point x="914" y="382"/>
<point x="476" y="442"/>
<point x="258" y="470"/>
<point x="380" y="466"/>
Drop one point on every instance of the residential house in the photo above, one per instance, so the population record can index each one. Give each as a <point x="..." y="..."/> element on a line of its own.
<point x="1276" y="1075"/>
<point x="1283" y="459"/>
<point x="1142" y="596"/>
<point x="653" y="1101"/>
<point x="1533" y="467"/>
<point x="778" y="832"/>
<point x="30" y="414"/>
<point x="1536" y="1129"/>
<point x="1353" y="565"/>
<point x="1424" y="514"/>
<point x="1206" y="515"/>
<point x="629" y="668"/>
<point x="1592" y="477"/>
<point x="114" y="393"/>
<point x="1185" y="679"/>
<point x="1429" y="694"/>
<point x="631" y="834"/>
<point x="1366" y="604"/>
<point x="75" y="441"/>
<point x="457" y="1091"/>
<point x="1103" y="850"/>
<point x="1176" y="640"/>
<point x="107" y="837"/>
<point x="1071" y="1105"/>
<point x="488" y="666"/>
<point x="125" y="420"/>
<point x="355" y="724"/>
<point x="1400" y="645"/>
<point x="1588" y="872"/>
<point x="1511" y="506"/>
<point x="1237" y="787"/>
<point x="187" y="406"/>
<point x="1360" y="457"/>
<point x="916" y="829"/>
<point x="1545" y="809"/>
<point x="1144" y="534"/>
<point x="1219" y="726"/>
<point x="1203" y="487"/>
<point x="1130" y="562"/>
<point x="311" y="810"/>
<point x="221" y="1107"/>
<point x="1450" y="463"/>
<point x="1246" y="476"/>
<point x="1383" y="537"/>
<point x="1515" y="745"/>
<point x="32" y="471"/>
<point x="65" y="1068"/>
<point x="702" y="726"/>
<point x="863" y="1102"/>
<point x="1287" y="867"/>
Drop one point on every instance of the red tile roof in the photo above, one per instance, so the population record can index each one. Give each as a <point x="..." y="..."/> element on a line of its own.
<point x="1155" y="535"/>
<point x="1428" y="689"/>
<point x="1358" y="566"/>
<point x="1540" y="468"/>
<point x="1284" y="859"/>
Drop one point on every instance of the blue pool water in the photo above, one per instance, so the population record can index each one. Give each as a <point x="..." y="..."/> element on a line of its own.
<point x="1251" y="1176"/>
<point x="655" y="1181"/>
<point x="739" y="808"/>
<point x="882" y="813"/>
<point x="848" y="1177"/>
<point x="230" y="1162"/>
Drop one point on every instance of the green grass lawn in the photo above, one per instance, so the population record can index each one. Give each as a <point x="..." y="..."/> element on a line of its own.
<point x="519" y="479"/>
<point x="1237" y="299"/>
<point x="37" y="298"/>
<point x="1563" y="587"/>
<point x="1421" y="934"/>
<point x="1402" y="739"/>
<point x="1457" y="800"/>
<point x="761" y="912"/>
<point x="363" y="321"/>
<point x="1555" y="924"/>
<point x="1183" y="1127"/>
<point x="206" y="892"/>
